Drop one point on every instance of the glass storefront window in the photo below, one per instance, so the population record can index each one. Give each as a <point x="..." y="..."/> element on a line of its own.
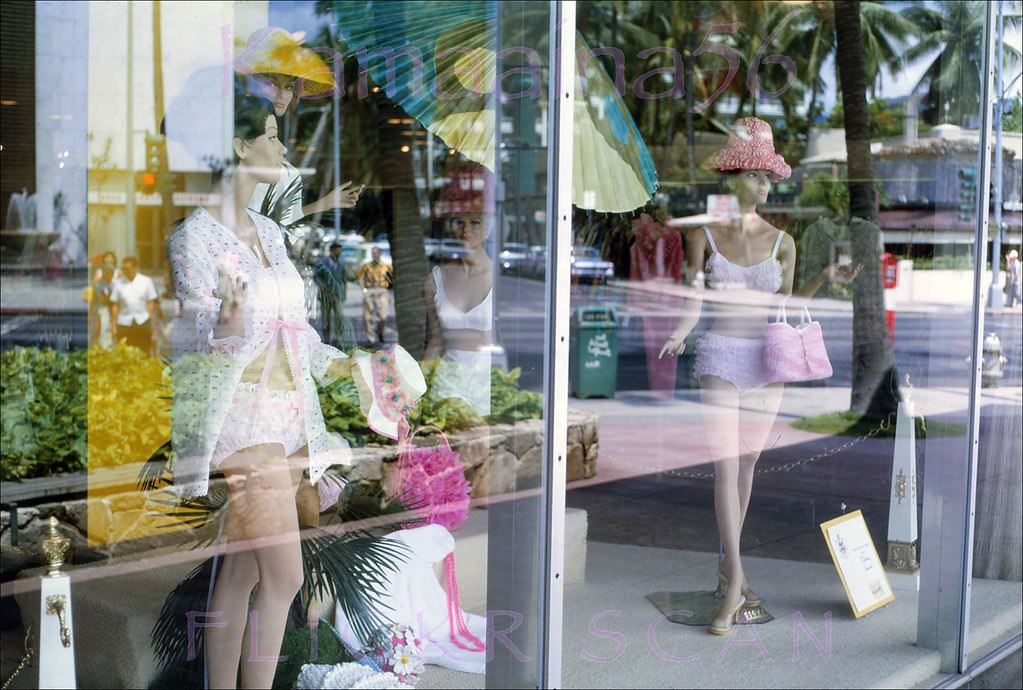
<point x="292" y="293"/>
<point x="793" y="159"/>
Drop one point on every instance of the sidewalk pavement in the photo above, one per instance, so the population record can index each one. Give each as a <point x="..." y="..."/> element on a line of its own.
<point x="642" y="433"/>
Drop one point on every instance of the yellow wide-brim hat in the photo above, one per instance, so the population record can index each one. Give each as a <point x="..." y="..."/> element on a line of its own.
<point x="273" y="50"/>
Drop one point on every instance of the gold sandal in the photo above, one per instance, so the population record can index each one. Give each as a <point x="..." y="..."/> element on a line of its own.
<point x="732" y="618"/>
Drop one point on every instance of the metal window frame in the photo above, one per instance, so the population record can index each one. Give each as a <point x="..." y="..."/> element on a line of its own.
<point x="560" y="110"/>
<point x="946" y="582"/>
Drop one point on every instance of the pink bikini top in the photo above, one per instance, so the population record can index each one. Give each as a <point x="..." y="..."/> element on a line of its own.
<point x="722" y="273"/>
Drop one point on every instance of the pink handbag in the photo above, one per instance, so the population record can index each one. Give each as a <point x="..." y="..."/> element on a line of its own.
<point x="795" y="353"/>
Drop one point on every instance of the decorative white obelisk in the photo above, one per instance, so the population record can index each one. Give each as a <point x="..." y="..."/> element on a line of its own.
<point x="56" y="651"/>
<point x="902" y="564"/>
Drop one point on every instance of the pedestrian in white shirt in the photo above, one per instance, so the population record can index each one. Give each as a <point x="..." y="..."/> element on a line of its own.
<point x="133" y="308"/>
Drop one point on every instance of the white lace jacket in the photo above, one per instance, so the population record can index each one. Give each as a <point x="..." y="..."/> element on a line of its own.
<point x="207" y="370"/>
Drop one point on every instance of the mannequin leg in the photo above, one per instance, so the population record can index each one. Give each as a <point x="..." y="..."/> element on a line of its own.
<point x="262" y="517"/>
<point x="236" y="578"/>
<point x="721" y="417"/>
<point x="757" y="413"/>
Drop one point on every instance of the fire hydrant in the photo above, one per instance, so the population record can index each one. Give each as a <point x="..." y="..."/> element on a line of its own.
<point x="993" y="362"/>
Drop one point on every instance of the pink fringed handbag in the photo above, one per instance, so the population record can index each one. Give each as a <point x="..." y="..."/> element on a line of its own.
<point x="431" y="481"/>
<point x="795" y="353"/>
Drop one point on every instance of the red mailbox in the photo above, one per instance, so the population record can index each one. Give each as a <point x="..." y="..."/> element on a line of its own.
<point x="889" y="270"/>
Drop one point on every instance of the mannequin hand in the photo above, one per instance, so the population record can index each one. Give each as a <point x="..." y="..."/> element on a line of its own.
<point x="340" y="368"/>
<point x="843" y="274"/>
<point x="232" y="293"/>
<point x="673" y="347"/>
<point x="343" y="196"/>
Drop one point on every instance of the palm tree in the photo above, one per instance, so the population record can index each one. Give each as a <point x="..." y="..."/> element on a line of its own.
<point x="882" y="32"/>
<point x="874" y="382"/>
<point x="949" y="39"/>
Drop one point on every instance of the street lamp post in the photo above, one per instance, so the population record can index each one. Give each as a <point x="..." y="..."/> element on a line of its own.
<point x="994" y="294"/>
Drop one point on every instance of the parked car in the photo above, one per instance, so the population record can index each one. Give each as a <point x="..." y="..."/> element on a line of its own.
<point x="452" y="250"/>
<point x="588" y="266"/>
<point x="432" y="248"/>
<point x="511" y="258"/>
<point x="535" y="263"/>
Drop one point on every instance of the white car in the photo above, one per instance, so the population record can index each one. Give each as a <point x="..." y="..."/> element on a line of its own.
<point x="512" y="256"/>
<point x="452" y="250"/>
<point x="587" y="265"/>
<point x="432" y="248"/>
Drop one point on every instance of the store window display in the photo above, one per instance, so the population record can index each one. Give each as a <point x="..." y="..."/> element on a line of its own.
<point x="748" y="263"/>
<point x="279" y="68"/>
<point x="461" y="291"/>
<point x="245" y="399"/>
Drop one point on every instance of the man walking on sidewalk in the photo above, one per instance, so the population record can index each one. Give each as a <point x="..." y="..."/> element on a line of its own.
<point x="133" y="308"/>
<point x="329" y="275"/>
<point x="375" y="277"/>
<point x="1012" y="279"/>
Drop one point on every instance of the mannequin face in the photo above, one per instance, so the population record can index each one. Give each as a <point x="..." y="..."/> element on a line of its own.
<point x="280" y="89"/>
<point x="262" y="157"/>
<point x="469" y="227"/>
<point x="750" y="186"/>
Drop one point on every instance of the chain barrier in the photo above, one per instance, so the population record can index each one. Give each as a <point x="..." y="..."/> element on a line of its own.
<point x="29" y="651"/>
<point x="884" y="425"/>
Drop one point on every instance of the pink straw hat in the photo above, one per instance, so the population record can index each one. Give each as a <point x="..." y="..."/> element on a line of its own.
<point x="750" y="147"/>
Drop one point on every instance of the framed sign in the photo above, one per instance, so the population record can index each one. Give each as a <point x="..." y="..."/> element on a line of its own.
<point x="857" y="562"/>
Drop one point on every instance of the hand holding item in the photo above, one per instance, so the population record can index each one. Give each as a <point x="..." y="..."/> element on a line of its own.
<point x="343" y="196"/>
<point x="843" y="274"/>
<point x="232" y="292"/>
<point x="673" y="346"/>
<point x="341" y="368"/>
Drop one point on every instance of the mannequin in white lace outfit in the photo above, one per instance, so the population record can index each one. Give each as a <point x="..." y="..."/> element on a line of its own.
<point x="251" y="410"/>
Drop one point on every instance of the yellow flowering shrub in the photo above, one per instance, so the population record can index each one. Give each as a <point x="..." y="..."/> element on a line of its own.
<point x="129" y="406"/>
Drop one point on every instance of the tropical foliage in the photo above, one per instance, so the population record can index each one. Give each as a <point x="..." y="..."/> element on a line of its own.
<point x="1012" y="121"/>
<point x="66" y="411"/>
<point x="886" y="120"/>
<point x="43" y="411"/>
<point x="950" y="36"/>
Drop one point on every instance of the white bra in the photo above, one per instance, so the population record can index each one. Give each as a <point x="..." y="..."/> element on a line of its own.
<point x="765" y="275"/>
<point x="479" y="318"/>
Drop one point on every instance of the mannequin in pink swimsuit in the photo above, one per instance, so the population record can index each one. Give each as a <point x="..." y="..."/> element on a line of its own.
<point x="749" y="264"/>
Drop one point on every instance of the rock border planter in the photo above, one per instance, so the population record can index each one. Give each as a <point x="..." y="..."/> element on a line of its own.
<point x="497" y="459"/>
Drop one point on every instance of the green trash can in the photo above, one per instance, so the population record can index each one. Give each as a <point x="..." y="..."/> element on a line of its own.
<point x="593" y="354"/>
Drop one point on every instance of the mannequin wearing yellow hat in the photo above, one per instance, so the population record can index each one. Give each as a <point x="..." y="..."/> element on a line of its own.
<point x="279" y="66"/>
<point x="750" y="265"/>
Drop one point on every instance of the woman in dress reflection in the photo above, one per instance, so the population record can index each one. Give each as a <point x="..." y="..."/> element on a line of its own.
<point x="99" y="303"/>
<point x="754" y="263"/>
<point x="459" y="327"/>
<point x="245" y="401"/>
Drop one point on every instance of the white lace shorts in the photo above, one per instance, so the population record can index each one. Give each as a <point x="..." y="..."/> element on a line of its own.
<point x="740" y="361"/>
<point x="257" y="417"/>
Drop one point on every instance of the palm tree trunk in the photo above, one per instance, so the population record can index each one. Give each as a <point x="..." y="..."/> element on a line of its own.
<point x="406" y="239"/>
<point x="874" y="379"/>
<point x="687" y="70"/>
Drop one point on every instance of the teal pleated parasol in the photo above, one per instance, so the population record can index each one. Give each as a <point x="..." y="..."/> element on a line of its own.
<point x="438" y="61"/>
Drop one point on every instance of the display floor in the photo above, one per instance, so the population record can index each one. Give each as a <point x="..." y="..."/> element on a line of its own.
<point x="614" y="638"/>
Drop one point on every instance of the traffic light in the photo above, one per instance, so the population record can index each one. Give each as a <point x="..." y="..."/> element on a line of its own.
<point x="967" y="193"/>
<point x="153" y="158"/>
